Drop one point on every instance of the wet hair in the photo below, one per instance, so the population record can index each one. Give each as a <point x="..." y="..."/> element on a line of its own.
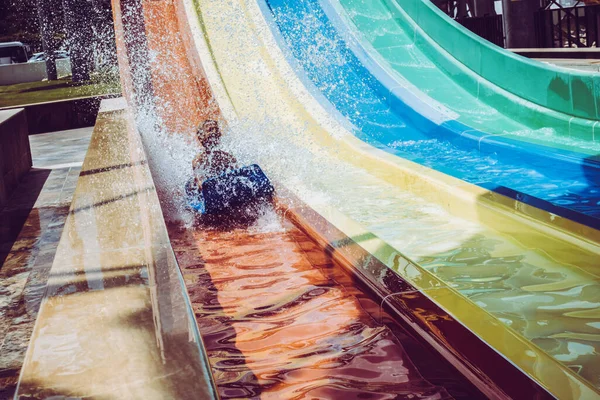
<point x="209" y="133"/>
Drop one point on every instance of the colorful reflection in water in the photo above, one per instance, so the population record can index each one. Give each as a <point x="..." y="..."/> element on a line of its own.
<point x="554" y="304"/>
<point x="489" y="267"/>
<point x="276" y="325"/>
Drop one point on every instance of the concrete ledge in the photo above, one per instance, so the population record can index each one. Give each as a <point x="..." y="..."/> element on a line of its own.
<point x="31" y="72"/>
<point x="591" y="65"/>
<point x="15" y="154"/>
<point x="115" y="321"/>
<point x="580" y="53"/>
<point x="62" y="115"/>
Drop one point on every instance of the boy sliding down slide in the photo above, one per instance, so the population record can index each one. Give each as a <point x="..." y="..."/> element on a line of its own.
<point x="218" y="187"/>
<point x="212" y="161"/>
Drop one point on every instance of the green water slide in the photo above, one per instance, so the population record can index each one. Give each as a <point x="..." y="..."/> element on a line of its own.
<point x="488" y="88"/>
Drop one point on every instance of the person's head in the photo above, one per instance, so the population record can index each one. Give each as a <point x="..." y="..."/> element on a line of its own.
<point x="209" y="134"/>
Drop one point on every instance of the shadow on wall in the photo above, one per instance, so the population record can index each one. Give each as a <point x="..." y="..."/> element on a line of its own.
<point x="589" y="197"/>
<point x="579" y="202"/>
<point x="582" y="204"/>
<point x="18" y="208"/>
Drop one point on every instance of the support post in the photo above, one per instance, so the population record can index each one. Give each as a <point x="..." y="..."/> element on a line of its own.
<point x="48" y="28"/>
<point x="519" y="25"/>
<point x="79" y="20"/>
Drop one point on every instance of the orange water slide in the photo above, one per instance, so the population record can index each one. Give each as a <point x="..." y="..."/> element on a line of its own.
<point x="274" y="325"/>
<point x="155" y="68"/>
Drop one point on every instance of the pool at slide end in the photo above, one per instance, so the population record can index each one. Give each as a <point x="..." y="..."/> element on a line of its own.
<point x="480" y="211"/>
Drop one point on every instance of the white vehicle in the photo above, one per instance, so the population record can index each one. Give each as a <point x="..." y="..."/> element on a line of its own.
<point x="59" y="54"/>
<point x="13" y="53"/>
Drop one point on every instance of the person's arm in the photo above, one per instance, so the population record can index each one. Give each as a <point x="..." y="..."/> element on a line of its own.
<point x="197" y="166"/>
<point x="198" y="161"/>
<point x="231" y="160"/>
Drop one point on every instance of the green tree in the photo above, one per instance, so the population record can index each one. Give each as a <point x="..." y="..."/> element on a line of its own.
<point x="19" y="22"/>
<point x="84" y="27"/>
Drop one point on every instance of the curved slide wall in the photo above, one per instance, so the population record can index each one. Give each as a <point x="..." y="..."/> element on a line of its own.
<point x="569" y="92"/>
<point x="536" y="101"/>
<point x="404" y="122"/>
<point x="390" y="48"/>
<point x="254" y="86"/>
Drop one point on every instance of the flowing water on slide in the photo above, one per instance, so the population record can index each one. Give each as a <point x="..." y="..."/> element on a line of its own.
<point x="279" y="324"/>
<point x="233" y="265"/>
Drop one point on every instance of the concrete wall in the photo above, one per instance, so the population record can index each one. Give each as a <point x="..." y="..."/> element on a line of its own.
<point x="61" y="115"/>
<point x="15" y="154"/>
<point x="31" y="72"/>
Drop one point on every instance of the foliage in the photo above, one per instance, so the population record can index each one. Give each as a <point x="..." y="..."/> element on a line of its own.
<point x="38" y="92"/>
<point x="19" y="21"/>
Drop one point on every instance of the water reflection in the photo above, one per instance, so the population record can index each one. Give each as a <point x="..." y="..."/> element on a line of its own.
<point x="276" y="327"/>
<point x="557" y="311"/>
<point x="486" y="266"/>
<point x="522" y="286"/>
<point x="555" y="306"/>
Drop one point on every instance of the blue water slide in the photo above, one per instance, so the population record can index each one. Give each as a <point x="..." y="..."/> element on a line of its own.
<point x="403" y="121"/>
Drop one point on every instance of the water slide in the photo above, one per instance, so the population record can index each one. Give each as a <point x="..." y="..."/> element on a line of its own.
<point x="523" y="279"/>
<point x="488" y="88"/>
<point x="401" y="114"/>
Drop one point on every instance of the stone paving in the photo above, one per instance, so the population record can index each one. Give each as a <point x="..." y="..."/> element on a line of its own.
<point x="30" y="228"/>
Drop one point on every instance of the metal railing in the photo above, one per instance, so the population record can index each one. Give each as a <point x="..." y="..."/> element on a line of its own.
<point x="568" y="27"/>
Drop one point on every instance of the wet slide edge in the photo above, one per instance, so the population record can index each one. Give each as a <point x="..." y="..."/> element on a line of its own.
<point x="511" y="201"/>
<point x="511" y="105"/>
<point x="402" y="95"/>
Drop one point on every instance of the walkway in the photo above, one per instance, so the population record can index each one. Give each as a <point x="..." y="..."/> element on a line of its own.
<point x="30" y="227"/>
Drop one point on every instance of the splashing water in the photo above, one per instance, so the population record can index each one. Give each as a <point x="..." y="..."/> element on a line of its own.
<point x="170" y="157"/>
